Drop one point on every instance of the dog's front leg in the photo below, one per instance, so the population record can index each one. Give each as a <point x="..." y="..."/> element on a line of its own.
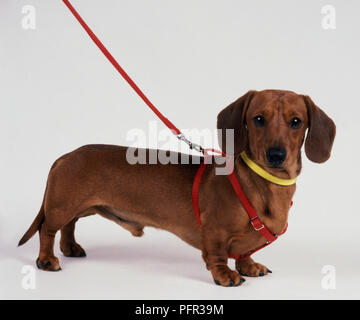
<point x="215" y="255"/>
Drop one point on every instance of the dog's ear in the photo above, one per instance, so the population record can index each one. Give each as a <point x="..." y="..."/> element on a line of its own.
<point x="321" y="133"/>
<point x="233" y="117"/>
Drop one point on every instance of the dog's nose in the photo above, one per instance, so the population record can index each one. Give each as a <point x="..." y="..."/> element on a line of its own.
<point x="276" y="156"/>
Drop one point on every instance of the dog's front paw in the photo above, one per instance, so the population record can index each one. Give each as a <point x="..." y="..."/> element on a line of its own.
<point x="250" y="268"/>
<point x="224" y="276"/>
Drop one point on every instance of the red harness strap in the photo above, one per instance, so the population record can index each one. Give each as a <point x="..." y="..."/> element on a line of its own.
<point x="254" y="219"/>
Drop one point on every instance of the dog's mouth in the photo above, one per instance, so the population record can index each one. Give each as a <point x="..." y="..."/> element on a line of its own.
<point x="277" y="167"/>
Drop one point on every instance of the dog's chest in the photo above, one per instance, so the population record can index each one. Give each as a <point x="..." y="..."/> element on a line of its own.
<point x="242" y="244"/>
<point x="244" y="241"/>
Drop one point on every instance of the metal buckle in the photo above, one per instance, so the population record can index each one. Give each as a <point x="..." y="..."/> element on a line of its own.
<point x="256" y="229"/>
<point x="191" y="145"/>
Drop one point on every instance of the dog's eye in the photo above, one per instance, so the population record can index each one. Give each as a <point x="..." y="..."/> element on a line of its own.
<point x="259" y="121"/>
<point x="295" y="123"/>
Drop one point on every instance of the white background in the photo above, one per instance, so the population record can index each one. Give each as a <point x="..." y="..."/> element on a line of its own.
<point x="192" y="58"/>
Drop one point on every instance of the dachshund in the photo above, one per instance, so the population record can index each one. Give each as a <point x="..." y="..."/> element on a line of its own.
<point x="269" y="125"/>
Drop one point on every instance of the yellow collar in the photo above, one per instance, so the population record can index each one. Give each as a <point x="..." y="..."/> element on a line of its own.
<point x="264" y="174"/>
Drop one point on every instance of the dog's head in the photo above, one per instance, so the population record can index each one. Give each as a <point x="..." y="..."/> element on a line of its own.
<point x="271" y="126"/>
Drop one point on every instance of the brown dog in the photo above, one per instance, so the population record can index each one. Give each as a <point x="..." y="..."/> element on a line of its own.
<point x="270" y="125"/>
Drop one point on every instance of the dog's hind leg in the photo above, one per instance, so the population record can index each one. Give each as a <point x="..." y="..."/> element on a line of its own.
<point x="68" y="245"/>
<point x="47" y="260"/>
<point x="55" y="220"/>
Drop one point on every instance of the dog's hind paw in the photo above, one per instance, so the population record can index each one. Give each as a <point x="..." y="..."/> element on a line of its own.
<point x="48" y="264"/>
<point x="73" y="250"/>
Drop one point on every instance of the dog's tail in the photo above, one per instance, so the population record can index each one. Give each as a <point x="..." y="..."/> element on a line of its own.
<point x="35" y="226"/>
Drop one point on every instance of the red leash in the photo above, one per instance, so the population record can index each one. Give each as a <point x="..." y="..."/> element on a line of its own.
<point x="112" y="60"/>
<point x="254" y="218"/>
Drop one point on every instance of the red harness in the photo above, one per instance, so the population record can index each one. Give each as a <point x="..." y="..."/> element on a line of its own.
<point x="254" y="218"/>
